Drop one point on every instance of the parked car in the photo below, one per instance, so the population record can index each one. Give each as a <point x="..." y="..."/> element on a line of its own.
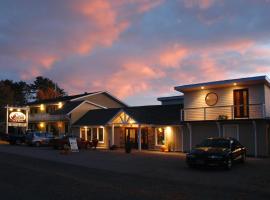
<point x="16" y="139"/>
<point x="60" y="142"/>
<point x="38" y="138"/>
<point x="217" y="152"/>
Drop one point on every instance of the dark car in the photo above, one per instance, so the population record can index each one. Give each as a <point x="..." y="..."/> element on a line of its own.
<point x="60" y="142"/>
<point x="217" y="152"/>
<point x="16" y="139"/>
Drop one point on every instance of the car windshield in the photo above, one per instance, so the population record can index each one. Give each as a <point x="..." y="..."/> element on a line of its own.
<point x="221" y="143"/>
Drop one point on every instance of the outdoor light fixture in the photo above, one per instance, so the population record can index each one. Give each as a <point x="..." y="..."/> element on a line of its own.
<point x="234" y="84"/>
<point x="60" y="105"/>
<point x="11" y="109"/>
<point x="202" y="87"/>
<point x="19" y="110"/>
<point x="41" y="124"/>
<point x="42" y="107"/>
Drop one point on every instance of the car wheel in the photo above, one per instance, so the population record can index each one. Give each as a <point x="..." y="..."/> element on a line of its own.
<point x="37" y="144"/>
<point x="243" y="159"/>
<point x="228" y="164"/>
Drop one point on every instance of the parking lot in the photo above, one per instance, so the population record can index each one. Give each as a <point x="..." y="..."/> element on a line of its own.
<point x="166" y="172"/>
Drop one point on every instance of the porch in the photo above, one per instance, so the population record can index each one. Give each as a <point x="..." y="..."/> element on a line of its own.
<point x="230" y="112"/>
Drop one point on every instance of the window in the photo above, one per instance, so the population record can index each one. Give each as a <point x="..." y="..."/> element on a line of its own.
<point x="89" y="134"/>
<point x="211" y="99"/>
<point x="101" y="135"/>
<point x="94" y="131"/>
<point x="160" y="136"/>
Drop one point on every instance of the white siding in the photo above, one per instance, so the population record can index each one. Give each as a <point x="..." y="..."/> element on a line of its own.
<point x="267" y="100"/>
<point x="196" y="99"/>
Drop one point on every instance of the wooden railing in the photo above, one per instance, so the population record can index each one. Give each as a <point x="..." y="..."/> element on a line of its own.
<point x="252" y="111"/>
<point x="46" y="117"/>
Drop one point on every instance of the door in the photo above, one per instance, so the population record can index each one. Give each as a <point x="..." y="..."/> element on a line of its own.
<point x="268" y="140"/>
<point x="230" y="130"/>
<point x="144" y="138"/>
<point x="241" y="103"/>
<point x="131" y="135"/>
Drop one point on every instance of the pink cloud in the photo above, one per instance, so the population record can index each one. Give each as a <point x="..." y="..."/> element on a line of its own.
<point x="172" y="58"/>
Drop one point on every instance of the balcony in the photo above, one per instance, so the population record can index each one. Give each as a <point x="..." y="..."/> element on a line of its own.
<point x="231" y="112"/>
<point x="43" y="117"/>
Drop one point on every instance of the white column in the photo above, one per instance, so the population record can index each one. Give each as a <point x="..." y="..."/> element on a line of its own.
<point x="255" y="138"/>
<point x="190" y="136"/>
<point x="112" y="135"/>
<point x="139" y="138"/>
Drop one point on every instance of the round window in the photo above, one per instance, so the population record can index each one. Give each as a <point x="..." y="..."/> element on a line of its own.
<point x="211" y="99"/>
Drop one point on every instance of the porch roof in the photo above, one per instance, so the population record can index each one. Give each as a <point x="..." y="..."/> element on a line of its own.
<point x="151" y="115"/>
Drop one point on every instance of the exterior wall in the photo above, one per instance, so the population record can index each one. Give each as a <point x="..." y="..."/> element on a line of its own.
<point x="103" y="100"/>
<point x="196" y="99"/>
<point x="80" y="111"/>
<point x="267" y="100"/>
<point x="75" y="131"/>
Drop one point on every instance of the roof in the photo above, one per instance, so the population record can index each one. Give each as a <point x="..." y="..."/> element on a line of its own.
<point x="224" y="83"/>
<point x="152" y="115"/>
<point x="69" y="106"/>
<point x="97" y="117"/>
<point x="60" y="99"/>
<point x="171" y="98"/>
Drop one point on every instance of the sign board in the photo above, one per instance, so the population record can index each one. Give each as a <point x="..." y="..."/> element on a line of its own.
<point x="17" y="116"/>
<point x="73" y="145"/>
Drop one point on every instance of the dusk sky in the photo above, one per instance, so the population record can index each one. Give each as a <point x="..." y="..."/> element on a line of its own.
<point x="137" y="50"/>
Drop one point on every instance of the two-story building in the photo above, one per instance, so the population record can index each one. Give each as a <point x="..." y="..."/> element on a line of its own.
<point x="58" y="114"/>
<point x="238" y="108"/>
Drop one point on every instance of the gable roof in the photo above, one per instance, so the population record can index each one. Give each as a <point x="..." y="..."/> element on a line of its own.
<point x="224" y="83"/>
<point x="152" y="115"/>
<point x="60" y="99"/>
<point x="97" y="117"/>
<point x="72" y="105"/>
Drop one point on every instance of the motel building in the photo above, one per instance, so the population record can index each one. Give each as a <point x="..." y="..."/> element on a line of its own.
<point x="57" y="115"/>
<point x="238" y="108"/>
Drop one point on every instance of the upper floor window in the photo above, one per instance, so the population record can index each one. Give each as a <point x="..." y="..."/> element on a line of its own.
<point x="211" y="99"/>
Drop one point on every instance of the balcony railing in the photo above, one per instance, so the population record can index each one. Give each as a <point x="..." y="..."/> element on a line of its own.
<point x="231" y="112"/>
<point x="46" y="117"/>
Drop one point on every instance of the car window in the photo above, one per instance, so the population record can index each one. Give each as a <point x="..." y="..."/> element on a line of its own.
<point x="221" y="143"/>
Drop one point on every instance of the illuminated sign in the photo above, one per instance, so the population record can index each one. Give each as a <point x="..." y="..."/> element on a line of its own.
<point x="17" y="117"/>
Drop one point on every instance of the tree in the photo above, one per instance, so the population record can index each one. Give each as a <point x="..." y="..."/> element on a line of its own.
<point x="44" y="88"/>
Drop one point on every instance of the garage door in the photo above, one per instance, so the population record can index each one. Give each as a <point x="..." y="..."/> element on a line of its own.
<point x="231" y="130"/>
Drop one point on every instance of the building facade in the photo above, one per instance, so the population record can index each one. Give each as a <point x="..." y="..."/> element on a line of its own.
<point x="236" y="108"/>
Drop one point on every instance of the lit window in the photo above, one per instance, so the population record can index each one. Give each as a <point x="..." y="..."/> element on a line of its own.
<point x="94" y="133"/>
<point x="89" y="134"/>
<point x="160" y="136"/>
<point x="101" y="135"/>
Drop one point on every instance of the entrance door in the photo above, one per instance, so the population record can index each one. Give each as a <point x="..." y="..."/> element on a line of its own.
<point x="268" y="140"/>
<point x="132" y="135"/>
<point x="240" y="99"/>
<point x="144" y="139"/>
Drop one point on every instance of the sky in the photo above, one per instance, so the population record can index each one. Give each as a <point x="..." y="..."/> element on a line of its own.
<point x="137" y="50"/>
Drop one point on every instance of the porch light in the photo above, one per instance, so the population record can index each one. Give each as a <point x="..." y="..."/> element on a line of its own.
<point x="42" y="107"/>
<point x="60" y="105"/>
<point x="41" y="125"/>
<point x="234" y="84"/>
<point x="11" y="109"/>
<point x="19" y="110"/>
<point x="202" y="87"/>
